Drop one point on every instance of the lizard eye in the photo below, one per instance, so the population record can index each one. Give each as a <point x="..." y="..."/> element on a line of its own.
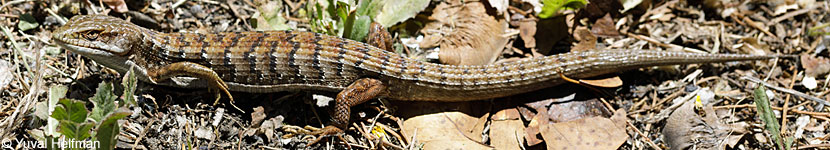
<point x="91" y="35"/>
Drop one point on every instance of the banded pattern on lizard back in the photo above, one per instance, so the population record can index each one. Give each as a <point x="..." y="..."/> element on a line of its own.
<point x="293" y="60"/>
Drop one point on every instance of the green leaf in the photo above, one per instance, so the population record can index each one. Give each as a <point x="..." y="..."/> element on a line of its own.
<point x="766" y="115"/>
<point x="359" y="28"/>
<point x="69" y="129"/>
<point x="104" y="101"/>
<point x="83" y="131"/>
<point x="70" y="110"/>
<point x="130" y="83"/>
<point x="550" y="8"/>
<point x="109" y="129"/>
<point x="71" y="115"/>
<point x="342" y="10"/>
<point x="27" y="22"/>
<point x="395" y="11"/>
<point x="343" y="24"/>
<point x="321" y="21"/>
<point x="355" y="25"/>
<point x="358" y="23"/>
<point x="368" y="7"/>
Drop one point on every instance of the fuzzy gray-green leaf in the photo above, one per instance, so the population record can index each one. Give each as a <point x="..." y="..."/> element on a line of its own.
<point x="104" y="101"/>
<point x="129" y="82"/>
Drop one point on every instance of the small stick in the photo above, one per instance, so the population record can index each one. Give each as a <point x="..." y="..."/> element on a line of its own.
<point x="789" y="91"/>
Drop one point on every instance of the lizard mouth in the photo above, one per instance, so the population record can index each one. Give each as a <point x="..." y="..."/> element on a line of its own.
<point x="88" y="48"/>
<point x="83" y="50"/>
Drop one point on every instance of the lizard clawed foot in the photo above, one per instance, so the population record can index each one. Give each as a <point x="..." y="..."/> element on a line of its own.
<point x="318" y="133"/>
<point x="194" y="70"/>
<point x="221" y="88"/>
<point x="327" y="132"/>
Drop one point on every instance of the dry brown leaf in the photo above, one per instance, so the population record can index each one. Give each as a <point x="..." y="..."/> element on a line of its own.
<point x="604" y="27"/>
<point x="598" y="8"/>
<point x="267" y="128"/>
<point x="541" y="118"/>
<point x="256" y="122"/>
<point x="691" y="33"/>
<point x="526" y="113"/>
<point x="564" y="109"/>
<point x="730" y="134"/>
<point x="507" y="129"/>
<point x="573" y="110"/>
<point x="736" y="94"/>
<point x="117" y="5"/>
<point x="532" y="130"/>
<point x="587" y="133"/>
<point x="753" y="46"/>
<point x="813" y="127"/>
<point x="448" y="130"/>
<point x="620" y="118"/>
<point x="815" y="66"/>
<point x="506" y="114"/>
<point x="587" y="40"/>
<point x="678" y="125"/>
<point x="257" y="116"/>
<point x="466" y="33"/>
<point x="527" y="31"/>
<point x="611" y="82"/>
<point x="685" y="128"/>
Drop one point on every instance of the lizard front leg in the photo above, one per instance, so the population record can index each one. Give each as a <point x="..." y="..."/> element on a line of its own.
<point x="358" y="92"/>
<point x="193" y="70"/>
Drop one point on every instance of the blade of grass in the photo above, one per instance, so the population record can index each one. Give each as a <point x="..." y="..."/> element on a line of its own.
<point x="18" y="52"/>
<point x="813" y="30"/>
<point x="768" y="117"/>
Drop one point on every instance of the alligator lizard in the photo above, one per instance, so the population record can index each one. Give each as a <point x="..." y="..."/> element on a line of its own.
<point x="272" y="61"/>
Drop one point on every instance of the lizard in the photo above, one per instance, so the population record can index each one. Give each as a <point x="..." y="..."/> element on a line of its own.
<point x="272" y="61"/>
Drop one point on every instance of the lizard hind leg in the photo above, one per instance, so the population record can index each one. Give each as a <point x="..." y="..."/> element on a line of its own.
<point x="358" y="92"/>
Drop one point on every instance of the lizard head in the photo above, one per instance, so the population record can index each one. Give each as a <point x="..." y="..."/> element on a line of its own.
<point x="107" y="40"/>
<point x="98" y="35"/>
